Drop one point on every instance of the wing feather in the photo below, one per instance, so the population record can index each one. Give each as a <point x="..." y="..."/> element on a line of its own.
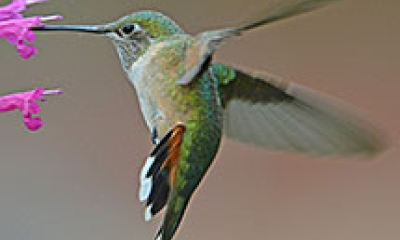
<point x="286" y="116"/>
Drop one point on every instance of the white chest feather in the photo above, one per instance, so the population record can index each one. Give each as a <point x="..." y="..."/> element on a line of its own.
<point x="141" y="80"/>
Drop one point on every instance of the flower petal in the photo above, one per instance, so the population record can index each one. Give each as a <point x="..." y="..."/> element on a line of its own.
<point x="26" y="103"/>
<point x="33" y="123"/>
<point x="16" y="29"/>
<point x="18" y="32"/>
<point x="12" y="10"/>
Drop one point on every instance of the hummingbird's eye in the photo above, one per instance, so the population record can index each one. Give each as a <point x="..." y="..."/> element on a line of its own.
<point x="128" y="29"/>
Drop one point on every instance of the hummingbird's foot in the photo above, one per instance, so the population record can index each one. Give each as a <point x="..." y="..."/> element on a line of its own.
<point x="154" y="135"/>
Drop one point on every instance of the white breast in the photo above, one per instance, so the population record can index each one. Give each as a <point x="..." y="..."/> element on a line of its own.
<point x="140" y="79"/>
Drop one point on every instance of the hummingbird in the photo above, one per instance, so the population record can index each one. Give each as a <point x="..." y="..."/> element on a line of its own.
<point x="189" y="102"/>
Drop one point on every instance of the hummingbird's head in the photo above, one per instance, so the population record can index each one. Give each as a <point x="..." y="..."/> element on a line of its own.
<point x="131" y="34"/>
<point x="153" y="24"/>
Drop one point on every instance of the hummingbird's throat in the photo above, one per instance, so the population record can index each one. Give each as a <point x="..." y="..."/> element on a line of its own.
<point x="130" y="50"/>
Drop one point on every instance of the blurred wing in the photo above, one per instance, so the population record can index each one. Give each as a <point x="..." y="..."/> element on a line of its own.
<point x="198" y="56"/>
<point x="284" y="10"/>
<point x="287" y="116"/>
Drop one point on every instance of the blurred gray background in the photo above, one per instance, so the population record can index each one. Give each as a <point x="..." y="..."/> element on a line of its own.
<point x="77" y="177"/>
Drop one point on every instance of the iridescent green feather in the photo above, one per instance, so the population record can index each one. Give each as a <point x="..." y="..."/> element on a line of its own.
<point x="200" y="144"/>
<point x="155" y="23"/>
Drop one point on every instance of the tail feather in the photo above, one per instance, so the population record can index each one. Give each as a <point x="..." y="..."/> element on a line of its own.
<point x="158" y="173"/>
<point x="158" y="197"/>
<point x="145" y="181"/>
<point x="173" y="218"/>
<point x="161" y="157"/>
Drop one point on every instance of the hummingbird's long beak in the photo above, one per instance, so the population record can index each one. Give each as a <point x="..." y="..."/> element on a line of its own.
<point x="97" y="29"/>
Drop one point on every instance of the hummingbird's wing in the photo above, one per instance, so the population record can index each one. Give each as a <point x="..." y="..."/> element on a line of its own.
<point x="283" y="10"/>
<point x="199" y="55"/>
<point x="286" y="116"/>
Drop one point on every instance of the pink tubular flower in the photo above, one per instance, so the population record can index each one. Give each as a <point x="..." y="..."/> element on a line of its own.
<point x="16" y="29"/>
<point x="26" y="103"/>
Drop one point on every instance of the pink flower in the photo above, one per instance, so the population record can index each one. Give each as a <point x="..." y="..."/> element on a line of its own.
<point x="26" y="103"/>
<point x="16" y="29"/>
